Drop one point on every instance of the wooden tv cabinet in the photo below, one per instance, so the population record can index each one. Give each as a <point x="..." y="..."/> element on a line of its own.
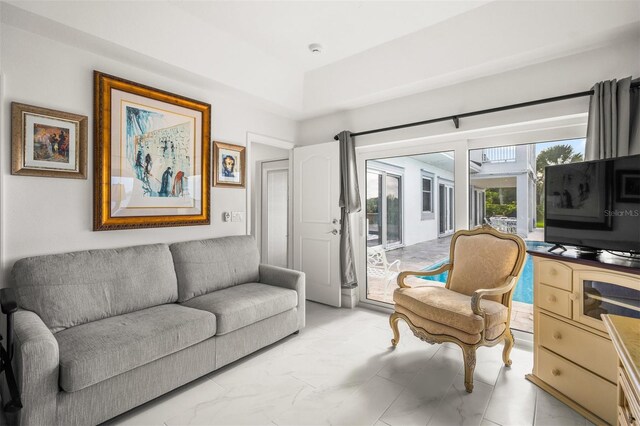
<point x="574" y="359"/>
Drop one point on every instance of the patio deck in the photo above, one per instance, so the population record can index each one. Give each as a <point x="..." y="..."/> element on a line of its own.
<point x="418" y="256"/>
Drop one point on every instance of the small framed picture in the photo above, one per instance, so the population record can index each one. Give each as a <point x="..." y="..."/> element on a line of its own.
<point x="628" y="190"/>
<point x="48" y="143"/>
<point x="228" y="165"/>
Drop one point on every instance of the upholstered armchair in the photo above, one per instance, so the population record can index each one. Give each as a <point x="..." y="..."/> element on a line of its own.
<point x="473" y="308"/>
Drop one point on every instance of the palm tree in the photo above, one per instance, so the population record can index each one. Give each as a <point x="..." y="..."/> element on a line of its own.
<point x="557" y="154"/>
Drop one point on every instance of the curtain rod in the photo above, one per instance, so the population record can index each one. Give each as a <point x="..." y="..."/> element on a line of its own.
<point x="456" y="118"/>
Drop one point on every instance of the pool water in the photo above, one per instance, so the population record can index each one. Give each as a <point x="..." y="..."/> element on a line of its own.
<point x="524" y="288"/>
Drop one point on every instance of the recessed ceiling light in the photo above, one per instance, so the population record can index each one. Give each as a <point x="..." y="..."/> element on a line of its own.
<point x="315" y="48"/>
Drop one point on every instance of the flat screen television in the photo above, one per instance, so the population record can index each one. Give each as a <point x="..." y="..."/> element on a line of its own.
<point x="594" y="205"/>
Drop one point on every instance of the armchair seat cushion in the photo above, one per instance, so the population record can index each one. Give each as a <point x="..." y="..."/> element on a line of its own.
<point x="244" y="304"/>
<point x="443" y="306"/>
<point x="436" y="328"/>
<point x="99" y="350"/>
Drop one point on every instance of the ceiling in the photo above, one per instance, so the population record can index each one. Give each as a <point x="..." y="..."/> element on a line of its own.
<point x="285" y="28"/>
<point x="374" y="51"/>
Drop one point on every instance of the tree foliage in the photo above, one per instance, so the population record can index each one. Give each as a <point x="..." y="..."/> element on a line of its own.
<point x="557" y="154"/>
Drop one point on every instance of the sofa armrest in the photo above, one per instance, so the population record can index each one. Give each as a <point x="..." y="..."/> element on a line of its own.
<point x="286" y="278"/>
<point x="35" y="363"/>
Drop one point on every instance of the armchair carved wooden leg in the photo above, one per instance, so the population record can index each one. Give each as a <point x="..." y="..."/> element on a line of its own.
<point x="393" y="322"/>
<point x="469" y="353"/>
<point x="508" y="345"/>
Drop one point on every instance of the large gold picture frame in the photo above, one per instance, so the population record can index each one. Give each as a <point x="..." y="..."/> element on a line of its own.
<point x="151" y="158"/>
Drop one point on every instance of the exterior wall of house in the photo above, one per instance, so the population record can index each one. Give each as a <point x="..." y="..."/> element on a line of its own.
<point x="415" y="228"/>
<point x="503" y="164"/>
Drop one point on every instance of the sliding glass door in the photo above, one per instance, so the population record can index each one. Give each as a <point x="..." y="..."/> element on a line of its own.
<point x="384" y="209"/>
<point x="393" y="209"/>
<point x="446" y="216"/>
<point x="403" y="215"/>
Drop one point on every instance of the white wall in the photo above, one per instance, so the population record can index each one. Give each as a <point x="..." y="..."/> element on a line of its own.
<point x="47" y="215"/>
<point x="560" y="76"/>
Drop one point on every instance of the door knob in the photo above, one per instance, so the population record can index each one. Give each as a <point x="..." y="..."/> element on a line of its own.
<point x="334" y="232"/>
<point x="336" y="222"/>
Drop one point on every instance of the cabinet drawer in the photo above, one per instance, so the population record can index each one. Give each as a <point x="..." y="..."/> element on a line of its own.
<point x="585" y="388"/>
<point x="628" y="402"/>
<point x="554" y="300"/>
<point x="592" y="352"/>
<point x="554" y="274"/>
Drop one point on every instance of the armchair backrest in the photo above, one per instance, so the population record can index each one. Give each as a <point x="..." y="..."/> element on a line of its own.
<point x="484" y="258"/>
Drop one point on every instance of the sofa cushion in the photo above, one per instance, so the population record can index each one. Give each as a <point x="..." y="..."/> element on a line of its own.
<point x="242" y="305"/>
<point x="443" y="306"/>
<point x="208" y="265"/>
<point x="96" y="351"/>
<point x="75" y="288"/>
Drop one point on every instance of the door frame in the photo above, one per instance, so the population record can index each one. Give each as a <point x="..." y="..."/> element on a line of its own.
<point x="365" y="153"/>
<point x="251" y="210"/>
<point x="569" y="126"/>
<point x="260" y="228"/>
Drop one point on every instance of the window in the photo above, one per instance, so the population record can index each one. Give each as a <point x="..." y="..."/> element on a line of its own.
<point x="427" y="195"/>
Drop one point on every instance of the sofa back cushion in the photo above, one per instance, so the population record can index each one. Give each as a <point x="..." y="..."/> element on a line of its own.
<point x="208" y="265"/>
<point x="75" y="288"/>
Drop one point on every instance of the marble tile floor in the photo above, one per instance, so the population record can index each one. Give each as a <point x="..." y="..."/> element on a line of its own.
<point x="340" y="370"/>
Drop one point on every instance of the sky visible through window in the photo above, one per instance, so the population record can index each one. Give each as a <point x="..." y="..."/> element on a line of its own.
<point x="578" y="145"/>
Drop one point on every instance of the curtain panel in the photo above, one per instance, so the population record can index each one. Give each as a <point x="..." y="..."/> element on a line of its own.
<point x="350" y="203"/>
<point x="614" y="118"/>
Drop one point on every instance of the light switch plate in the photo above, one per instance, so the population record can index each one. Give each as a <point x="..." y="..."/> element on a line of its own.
<point x="236" y="216"/>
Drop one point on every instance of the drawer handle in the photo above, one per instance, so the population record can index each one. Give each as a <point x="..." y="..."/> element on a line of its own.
<point x="552" y="298"/>
<point x="555" y="372"/>
<point x="557" y="335"/>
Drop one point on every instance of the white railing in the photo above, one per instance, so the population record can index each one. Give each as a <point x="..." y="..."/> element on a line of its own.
<point x="502" y="154"/>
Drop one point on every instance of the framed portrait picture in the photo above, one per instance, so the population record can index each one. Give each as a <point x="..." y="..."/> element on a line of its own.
<point x="229" y="167"/>
<point x="628" y="186"/>
<point x="576" y="196"/>
<point x="151" y="157"/>
<point x="49" y="143"/>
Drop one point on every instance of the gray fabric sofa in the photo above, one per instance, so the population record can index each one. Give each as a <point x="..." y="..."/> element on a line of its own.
<point x="100" y="332"/>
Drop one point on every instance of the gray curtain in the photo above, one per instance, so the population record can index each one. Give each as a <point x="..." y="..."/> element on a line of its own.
<point x="350" y="203"/>
<point x="614" y="117"/>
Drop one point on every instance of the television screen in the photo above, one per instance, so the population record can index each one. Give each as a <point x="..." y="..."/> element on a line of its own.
<point x="594" y="204"/>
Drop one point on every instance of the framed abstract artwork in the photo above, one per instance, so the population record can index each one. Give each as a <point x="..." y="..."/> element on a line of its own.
<point x="229" y="168"/>
<point x="48" y="143"/>
<point x="151" y="157"/>
<point x="576" y="197"/>
<point x="628" y="186"/>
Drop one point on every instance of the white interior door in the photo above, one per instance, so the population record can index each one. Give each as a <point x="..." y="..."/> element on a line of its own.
<point x="316" y="226"/>
<point x="275" y="216"/>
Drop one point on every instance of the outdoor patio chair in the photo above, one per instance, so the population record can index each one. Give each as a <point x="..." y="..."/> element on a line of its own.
<point x="473" y="309"/>
<point x="379" y="267"/>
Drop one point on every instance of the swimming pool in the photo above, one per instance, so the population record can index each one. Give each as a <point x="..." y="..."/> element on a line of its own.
<point x="524" y="289"/>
